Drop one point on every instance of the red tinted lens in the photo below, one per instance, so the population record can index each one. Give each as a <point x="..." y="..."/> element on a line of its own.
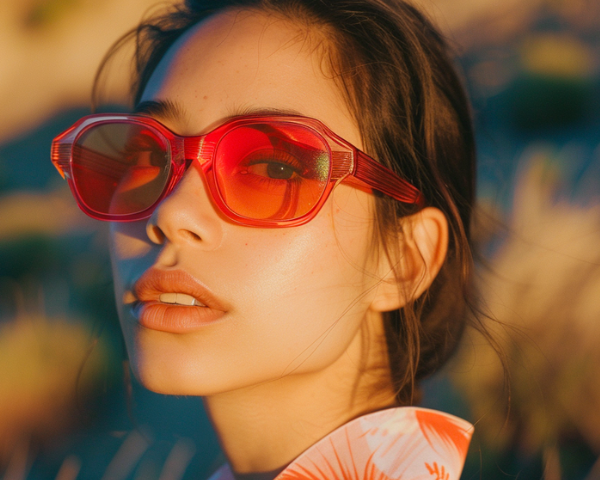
<point x="275" y="171"/>
<point x="120" y="168"/>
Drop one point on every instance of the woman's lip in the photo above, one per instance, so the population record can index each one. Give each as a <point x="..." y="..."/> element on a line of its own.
<point x="175" y="318"/>
<point x="156" y="315"/>
<point x="155" y="282"/>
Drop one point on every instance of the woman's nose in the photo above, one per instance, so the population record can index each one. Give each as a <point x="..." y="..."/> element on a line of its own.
<point x="187" y="215"/>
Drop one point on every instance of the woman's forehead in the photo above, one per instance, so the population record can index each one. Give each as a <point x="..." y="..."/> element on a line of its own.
<point x="239" y="61"/>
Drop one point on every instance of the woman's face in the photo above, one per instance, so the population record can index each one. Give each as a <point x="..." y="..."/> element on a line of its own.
<point x="282" y="301"/>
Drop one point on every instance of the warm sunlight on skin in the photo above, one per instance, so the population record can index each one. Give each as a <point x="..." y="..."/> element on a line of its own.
<point x="285" y="363"/>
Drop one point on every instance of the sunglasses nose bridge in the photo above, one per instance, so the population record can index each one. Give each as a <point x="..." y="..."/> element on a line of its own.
<point x="197" y="149"/>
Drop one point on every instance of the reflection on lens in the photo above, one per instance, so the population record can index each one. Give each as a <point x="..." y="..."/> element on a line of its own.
<point x="120" y="168"/>
<point x="271" y="171"/>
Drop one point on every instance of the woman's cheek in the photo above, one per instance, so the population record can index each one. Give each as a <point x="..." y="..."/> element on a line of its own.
<point x="129" y="240"/>
<point x="131" y="254"/>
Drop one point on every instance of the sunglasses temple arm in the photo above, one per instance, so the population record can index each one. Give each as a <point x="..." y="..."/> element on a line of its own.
<point x="60" y="154"/>
<point x="371" y="175"/>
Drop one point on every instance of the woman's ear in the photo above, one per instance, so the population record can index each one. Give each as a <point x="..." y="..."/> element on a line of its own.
<point x="413" y="264"/>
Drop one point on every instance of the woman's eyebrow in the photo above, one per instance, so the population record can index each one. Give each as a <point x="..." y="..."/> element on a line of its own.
<point x="164" y="109"/>
<point x="264" y="111"/>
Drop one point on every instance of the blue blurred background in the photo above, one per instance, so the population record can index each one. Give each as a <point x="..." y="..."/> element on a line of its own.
<point x="68" y="408"/>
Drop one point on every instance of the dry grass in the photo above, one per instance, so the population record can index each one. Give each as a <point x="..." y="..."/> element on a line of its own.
<point x="544" y="286"/>
<point x="40" y="381"/>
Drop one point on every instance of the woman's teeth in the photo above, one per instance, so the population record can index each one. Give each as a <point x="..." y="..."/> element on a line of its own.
<point x="179" y="299"/>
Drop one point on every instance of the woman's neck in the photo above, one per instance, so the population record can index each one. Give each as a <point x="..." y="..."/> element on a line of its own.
<point x="266" y="426"/>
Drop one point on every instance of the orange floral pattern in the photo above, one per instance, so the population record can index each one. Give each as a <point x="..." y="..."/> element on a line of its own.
<point x="406" y="443"/>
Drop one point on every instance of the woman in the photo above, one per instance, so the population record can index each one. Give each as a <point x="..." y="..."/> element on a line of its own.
<point x="261" y="259"/>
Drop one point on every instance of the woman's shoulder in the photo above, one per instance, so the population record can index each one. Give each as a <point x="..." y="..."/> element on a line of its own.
<point x="405" y="442"/>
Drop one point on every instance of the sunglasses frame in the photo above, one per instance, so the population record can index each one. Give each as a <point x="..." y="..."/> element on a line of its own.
<point x="348" y="164"/>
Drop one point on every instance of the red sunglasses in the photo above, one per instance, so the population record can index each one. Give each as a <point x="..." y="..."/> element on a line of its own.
<point x="263" y="171"/>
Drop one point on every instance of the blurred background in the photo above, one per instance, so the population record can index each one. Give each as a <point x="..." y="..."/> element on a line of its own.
<point x="532" y="70"/>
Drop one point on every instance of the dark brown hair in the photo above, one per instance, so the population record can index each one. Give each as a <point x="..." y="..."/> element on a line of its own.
<point x="411" y="110"/>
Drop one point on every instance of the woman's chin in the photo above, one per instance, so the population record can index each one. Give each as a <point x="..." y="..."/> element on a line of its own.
<point x="172" y="381"/>
<point x="179" y="377"/>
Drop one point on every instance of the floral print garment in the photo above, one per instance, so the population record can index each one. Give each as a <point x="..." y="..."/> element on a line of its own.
<point x="405" y="443"/>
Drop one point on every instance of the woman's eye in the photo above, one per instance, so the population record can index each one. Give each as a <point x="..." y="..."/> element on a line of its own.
<point x="144" y="150"/>
<point x="156" y="158"/>
<point x="273" y="164"/>
<point x="275" y="170"/>
<point x="145" y="157"/>
<point x="141" y="158"/>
